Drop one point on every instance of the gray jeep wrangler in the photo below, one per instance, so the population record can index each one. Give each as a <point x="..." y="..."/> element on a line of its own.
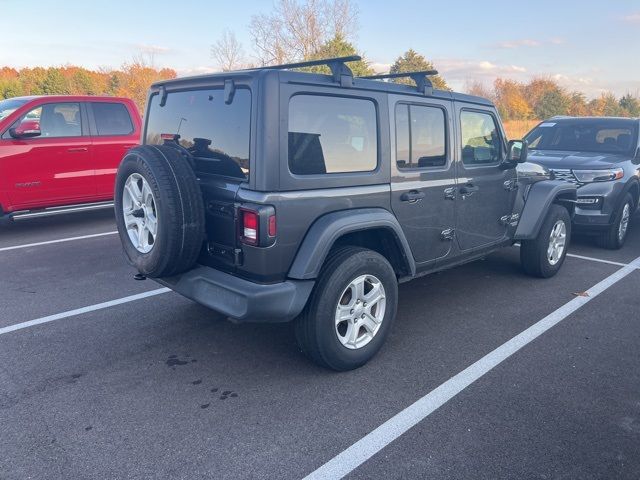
<point x="273" y="195"/>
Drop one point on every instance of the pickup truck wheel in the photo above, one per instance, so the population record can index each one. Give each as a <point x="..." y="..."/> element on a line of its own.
<point x="351" y="309"/>
<point x="616" y="234"/>
<point x="543" y="256"/>
<point x="159" y="211"/>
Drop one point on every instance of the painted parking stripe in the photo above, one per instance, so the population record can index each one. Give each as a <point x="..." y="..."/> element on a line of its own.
<point x="592" y="259"/>
<point x="59" y="240"/>
<point x="365" y="448"/>
<point x="599" y="260"/>
<point x="79" y="311"/>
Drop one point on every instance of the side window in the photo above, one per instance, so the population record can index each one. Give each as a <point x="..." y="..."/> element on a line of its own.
<point x="481" y="143"/>
<point x="54" y="120"/>
<point x="420" y="136"/>
<point x="332" y="135"/>
<point x="112" y="119"/>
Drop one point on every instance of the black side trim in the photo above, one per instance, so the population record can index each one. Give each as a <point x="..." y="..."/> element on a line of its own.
<point x="330" y="227"/>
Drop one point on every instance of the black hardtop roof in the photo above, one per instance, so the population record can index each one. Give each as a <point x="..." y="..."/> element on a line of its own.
<point x="307" y="78"/>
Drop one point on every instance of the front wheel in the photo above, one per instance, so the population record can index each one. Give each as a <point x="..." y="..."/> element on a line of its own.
<point x="613" y="238"/>
<point x="543" y="256"/>
<point x="351" y="309"/>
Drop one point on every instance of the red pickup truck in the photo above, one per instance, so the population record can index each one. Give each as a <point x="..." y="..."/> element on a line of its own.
<point x="59" y="154"/>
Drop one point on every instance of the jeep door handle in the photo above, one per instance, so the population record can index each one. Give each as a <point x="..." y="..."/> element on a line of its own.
<point x="468" y="189"/>
<point x="77" y="149"/>
<point x="412" y="197"/>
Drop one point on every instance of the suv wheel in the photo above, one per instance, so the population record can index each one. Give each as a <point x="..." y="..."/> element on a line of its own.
<point x="159" y="211"/>
<point x="616" y="234"/>
<point x="544" y="255"/>
<point x="350" y="311"/>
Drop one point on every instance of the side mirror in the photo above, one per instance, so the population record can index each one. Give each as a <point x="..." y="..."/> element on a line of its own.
<point x="26" y="129"/>
<point x="516" y="151"/>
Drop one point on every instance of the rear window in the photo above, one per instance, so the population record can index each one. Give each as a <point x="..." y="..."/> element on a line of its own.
<point x="112" y="118"/>
<point x="332" y="135"/>
<point x="216" y="134"/>
<point x="599" y="136"/>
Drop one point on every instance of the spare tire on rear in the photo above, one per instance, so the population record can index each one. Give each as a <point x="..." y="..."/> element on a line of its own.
<point x="159" y="210"/>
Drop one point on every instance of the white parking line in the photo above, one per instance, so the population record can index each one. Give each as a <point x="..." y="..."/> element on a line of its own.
<point x="60" y="240"/>
<point x="78" y="311"/>
<point x="592" y="259"/>
<point x="358" y="453"/>
<point x="599" y="260"/>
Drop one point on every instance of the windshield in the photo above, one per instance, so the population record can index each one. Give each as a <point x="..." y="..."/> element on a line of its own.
<point x="599" y="136"/>
<point x="7" y="107"/>
<point x="216" y="134"/>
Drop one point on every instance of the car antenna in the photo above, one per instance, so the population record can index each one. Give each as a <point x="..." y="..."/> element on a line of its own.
<point x="421" y="79"/>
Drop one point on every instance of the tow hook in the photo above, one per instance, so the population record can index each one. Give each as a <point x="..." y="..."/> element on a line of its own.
<point x="139" y="276"/>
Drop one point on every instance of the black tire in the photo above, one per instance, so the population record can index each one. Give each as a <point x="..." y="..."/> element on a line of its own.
<point x="179" y="205"/>
<point x="315" y="328"/>
<point x="611" y="238"/>
<point x="533" y="253"/>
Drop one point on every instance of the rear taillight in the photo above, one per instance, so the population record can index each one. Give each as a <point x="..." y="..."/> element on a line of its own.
<point x="250" y="226"/>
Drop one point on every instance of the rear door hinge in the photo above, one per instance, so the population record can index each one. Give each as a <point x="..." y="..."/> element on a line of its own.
<point x="447" y="234"/>
<point x="510" y="219"/>
<point x="450" y="193"/>
<point x="510" y="185"/>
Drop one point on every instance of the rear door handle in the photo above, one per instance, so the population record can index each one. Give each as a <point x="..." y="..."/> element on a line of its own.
<point x="77" y="149"/>
<point x="412" y="196"/>
<point x="468" y="189"/>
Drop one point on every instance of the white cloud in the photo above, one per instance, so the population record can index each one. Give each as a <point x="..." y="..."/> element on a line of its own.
<point x="187" y="72"/>
<point x="632" y="18"/>
<point x="152" y="49"/>
<point x="380" y="67"/>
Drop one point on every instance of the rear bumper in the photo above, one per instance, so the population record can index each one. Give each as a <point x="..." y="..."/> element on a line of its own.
<point x="240" y="299"/>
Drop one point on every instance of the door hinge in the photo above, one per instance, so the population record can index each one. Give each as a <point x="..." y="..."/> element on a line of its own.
<point x="510" y="185"/>
<point x="447" y="234"/>
<point x="450" y="193"/>
<point x="510" y="219"/>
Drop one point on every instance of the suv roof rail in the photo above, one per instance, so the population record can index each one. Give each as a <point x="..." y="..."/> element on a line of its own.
<point x="421" y="78"/>
<point x="341" y="73"/>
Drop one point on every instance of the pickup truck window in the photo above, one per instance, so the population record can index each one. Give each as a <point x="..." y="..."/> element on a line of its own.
<point x="215" y="133"/>
<point x="56" y="120"/>
<point x="332" y="135"/>
<point x="481" y="144"/>
<point x="112" y="119"/>
<point x="420" y="136"/>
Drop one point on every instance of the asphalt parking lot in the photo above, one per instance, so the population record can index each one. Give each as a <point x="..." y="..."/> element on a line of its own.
<point x="155" y="386"/>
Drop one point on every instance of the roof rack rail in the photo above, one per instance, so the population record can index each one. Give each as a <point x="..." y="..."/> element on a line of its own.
<point x="421" y="78"/>
<point x="341" y="73"/>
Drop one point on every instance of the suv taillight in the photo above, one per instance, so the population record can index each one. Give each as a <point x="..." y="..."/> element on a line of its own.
<point x="257" y="225"/>
<point x="250" y="226"/>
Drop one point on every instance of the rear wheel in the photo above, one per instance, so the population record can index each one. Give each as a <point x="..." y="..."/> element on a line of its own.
<point x="350" y="311"/>
<point x="159" y="211"/>
<point x="544" y="255"/>
<point x="614" y="237"/>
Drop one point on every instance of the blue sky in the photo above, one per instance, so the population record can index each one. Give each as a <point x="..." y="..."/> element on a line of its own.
<point x="587" y="45"/>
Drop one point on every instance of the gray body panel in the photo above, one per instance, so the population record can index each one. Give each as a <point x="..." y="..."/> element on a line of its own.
<point x="272" y="282"/>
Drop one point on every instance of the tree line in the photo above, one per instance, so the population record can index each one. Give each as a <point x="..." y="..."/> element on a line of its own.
<point x="132" y="80"/>
<point x="542" y="98"/>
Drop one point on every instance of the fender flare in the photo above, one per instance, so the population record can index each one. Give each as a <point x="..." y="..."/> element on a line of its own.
<point x="330" y="227"/>
<point x="540" y="198"/>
